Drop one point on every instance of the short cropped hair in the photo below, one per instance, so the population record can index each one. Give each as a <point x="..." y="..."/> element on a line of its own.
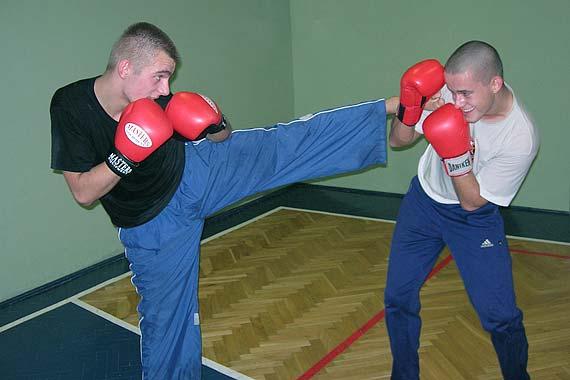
<point x="479" y="57"/>
<point x="139" y="43"/>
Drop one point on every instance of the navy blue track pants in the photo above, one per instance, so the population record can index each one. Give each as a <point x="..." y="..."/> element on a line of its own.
<point x="479" y="247"/>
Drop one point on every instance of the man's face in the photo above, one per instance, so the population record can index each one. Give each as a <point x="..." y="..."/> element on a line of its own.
<point x="152" y="80"/>
<point x="472" y="96"/>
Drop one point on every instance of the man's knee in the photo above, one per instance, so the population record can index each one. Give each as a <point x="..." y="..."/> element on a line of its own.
<point x="502" y="321"/>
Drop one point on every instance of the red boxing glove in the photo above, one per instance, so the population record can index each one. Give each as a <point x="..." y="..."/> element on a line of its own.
<point x="419" y="83"/>
<point x="448" y="133"/>
<point x="194" y="115"/>
<point x="142" y="128"/>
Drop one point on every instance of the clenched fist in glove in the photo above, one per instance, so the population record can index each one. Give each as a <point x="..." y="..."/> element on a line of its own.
<point x="418" y="84"/>
<point x="142" y="128"/>
<point x="194" y="115"/>
<point x="448" y="133"/>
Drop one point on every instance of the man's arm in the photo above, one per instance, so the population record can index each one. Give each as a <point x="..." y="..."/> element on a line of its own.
<point x="401" y="134"/>
<point x="419" y="83"/>
<point x="468" y="192"/>
<point x="448" y="133"/>
<point x="391" y="104"/>
<point x="89" y="186"/>
<point x="143" y="128"/>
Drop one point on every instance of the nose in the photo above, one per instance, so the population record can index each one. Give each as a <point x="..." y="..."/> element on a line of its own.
<point x="164" y="88"/>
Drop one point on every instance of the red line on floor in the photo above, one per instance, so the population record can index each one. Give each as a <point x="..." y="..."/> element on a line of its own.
<point x="360" y="332"/>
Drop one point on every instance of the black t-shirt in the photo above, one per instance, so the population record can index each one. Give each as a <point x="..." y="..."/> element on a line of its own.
<point x="82" y="137"/>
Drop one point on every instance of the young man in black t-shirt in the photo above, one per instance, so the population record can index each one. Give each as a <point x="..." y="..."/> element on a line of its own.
<point x="160" y="207"/>
<point x="81" y="133"/>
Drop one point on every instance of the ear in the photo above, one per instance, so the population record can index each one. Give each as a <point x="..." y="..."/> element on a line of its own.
<point x="496" y="84"/>
<point x="124" y="68"/>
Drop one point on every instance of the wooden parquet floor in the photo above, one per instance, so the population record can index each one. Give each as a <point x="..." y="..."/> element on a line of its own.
<point x="280" y="293"/>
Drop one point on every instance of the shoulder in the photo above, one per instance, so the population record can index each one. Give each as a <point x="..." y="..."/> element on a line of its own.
<point x="72" y="91"/>
<point x="524" y="132"/>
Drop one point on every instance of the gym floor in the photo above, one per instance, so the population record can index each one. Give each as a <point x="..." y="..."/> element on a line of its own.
<point x="84" y="326"/>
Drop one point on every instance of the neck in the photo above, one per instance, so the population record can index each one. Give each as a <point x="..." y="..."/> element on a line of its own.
<point x="110" y="95"/>
<point x="502" y="106"/>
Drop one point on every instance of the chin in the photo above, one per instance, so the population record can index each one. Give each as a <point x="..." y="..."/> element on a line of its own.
<point x="472" y="117"/>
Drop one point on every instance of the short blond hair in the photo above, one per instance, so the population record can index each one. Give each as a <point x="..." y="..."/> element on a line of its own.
<point x="140" y="43"/>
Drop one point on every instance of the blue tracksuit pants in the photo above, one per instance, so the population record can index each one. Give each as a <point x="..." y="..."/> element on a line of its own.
<point x="478" y="244"/>
<point x="164" y="252"/>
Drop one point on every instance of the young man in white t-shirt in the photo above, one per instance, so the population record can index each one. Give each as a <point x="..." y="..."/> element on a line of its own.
<point x="475" y="163"/>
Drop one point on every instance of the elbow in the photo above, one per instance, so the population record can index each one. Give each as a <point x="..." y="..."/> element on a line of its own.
<point x="395" y="142"/>
<point x="83" y="199"/>
<point x="83" y="188"/>
<point x="399" y="140"/>
<point x="473" y="206"/>
<point x="469" y="207"/>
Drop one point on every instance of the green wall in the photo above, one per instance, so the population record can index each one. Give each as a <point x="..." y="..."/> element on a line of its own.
<point x="345" y="51"/>
<point x="238" y="53"/>
<point x="262" y="61"/>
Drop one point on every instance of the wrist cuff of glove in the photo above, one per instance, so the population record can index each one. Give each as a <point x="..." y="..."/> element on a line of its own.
<point x="214" y="128"/>
<point x="119" y="164"/>
<point x="458" y="166"/>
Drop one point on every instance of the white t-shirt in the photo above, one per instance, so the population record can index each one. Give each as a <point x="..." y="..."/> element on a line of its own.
<point x="504" y="151"/>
